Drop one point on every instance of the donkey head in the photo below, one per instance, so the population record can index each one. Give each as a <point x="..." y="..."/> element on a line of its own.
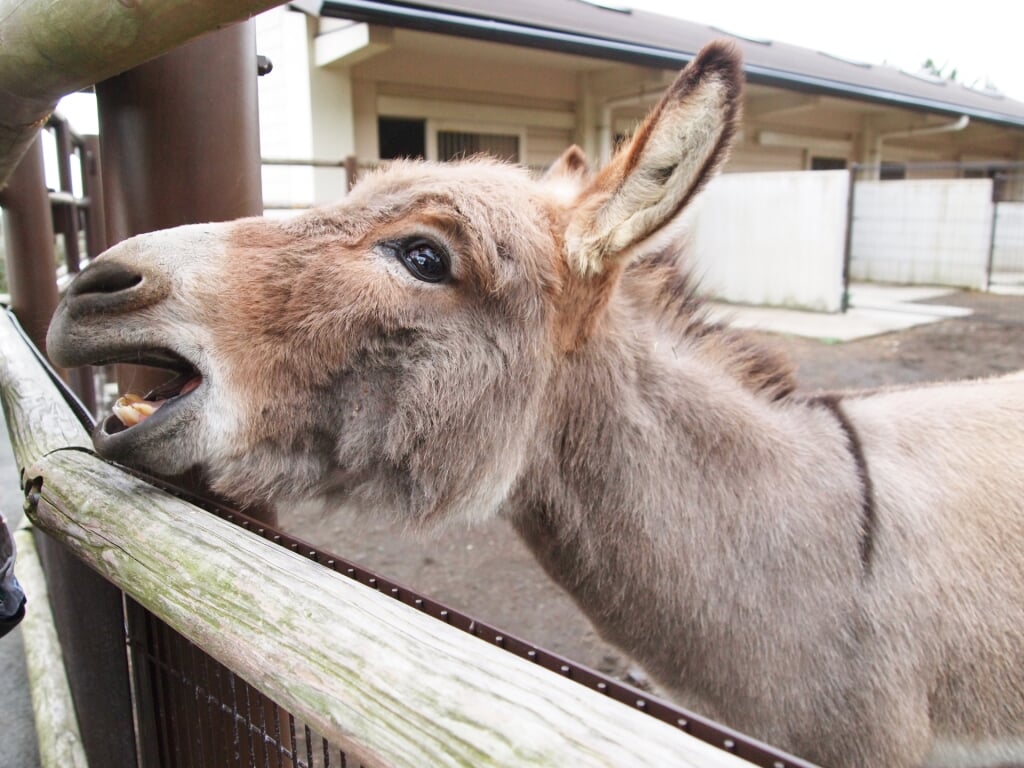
<point x="392" y="350"/>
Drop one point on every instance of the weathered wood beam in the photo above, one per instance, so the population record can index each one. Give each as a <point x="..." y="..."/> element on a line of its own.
<point x="51" y="49"/>
<point x="38" y="419"/>
<point x="386" y="683"/>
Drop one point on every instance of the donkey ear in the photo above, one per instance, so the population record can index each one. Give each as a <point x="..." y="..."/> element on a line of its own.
<point x="670" y="157"/>
<point x="572" y="164"/>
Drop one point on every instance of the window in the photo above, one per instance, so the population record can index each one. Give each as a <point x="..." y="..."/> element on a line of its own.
<point x="453" y="145"/>
<point x="892" y="172"/>
<point x="828" y="163"/>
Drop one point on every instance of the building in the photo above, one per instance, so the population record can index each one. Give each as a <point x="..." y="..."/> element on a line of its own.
<point x="525" y="78"/>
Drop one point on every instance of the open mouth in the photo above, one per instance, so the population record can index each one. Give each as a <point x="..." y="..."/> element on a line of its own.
<point x="131" y="409"/>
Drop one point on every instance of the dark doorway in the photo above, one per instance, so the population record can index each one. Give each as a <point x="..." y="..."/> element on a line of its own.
<point x="401" y="137"/>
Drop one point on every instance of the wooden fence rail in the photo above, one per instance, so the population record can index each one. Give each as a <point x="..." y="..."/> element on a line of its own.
<point x="386" y="683"/>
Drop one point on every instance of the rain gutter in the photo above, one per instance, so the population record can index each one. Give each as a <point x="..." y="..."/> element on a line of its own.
<point x="493" y="30"/>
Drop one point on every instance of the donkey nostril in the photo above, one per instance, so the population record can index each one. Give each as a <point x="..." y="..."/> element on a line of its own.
<point x="104" y="277"/>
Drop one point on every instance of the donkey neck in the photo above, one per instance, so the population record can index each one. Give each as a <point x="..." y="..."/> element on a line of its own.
<point x="664" y="482"/>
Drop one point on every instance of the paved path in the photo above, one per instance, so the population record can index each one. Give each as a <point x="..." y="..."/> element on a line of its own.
<point x="874" y="309"/>
<point x="17" y="731"/>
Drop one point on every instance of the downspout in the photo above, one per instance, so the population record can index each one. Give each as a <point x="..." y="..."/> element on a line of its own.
<point x="606" y="130"/>
<point x="958" y="125"/>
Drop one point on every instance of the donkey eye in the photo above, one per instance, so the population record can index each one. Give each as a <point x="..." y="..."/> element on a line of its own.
<point x="424" y="260"/>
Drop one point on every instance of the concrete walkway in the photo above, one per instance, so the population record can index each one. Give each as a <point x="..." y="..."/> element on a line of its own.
<point x="874" y="310"/>
<point x="17" y="728"/>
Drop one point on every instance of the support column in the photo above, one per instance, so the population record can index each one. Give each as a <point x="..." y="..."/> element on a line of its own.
<point x="179" y="137"/>
<point x="179" y="142"/>
<point x="92" y="183"/>
<point x="28" y="228"/>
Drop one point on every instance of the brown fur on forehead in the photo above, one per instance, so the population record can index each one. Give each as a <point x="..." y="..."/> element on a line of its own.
<point x="480" y="202"/>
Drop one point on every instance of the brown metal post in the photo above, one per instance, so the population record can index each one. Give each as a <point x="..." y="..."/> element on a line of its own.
<point x="65" y="210"/>
<point x="351" y="172"/>
<point x="179" y="142"/>
<point x="28" y="227"/>
<point x="180" y="137"/>
<point x="92" y="188"/>
<point x="87" y="610"/>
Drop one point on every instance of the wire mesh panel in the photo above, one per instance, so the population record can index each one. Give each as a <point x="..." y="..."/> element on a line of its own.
<point x="958" y="225"/>
<point x="1008" y="231"/>
<point x="930" y="231"/>
<point x="193" y="712"/>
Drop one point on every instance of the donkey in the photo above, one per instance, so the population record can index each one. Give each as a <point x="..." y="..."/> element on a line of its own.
<point x="840" y="575"/>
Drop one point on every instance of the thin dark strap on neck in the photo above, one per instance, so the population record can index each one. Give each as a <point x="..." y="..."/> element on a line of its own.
<point x="868" y="516"/>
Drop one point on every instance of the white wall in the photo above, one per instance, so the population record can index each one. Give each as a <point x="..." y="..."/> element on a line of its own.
<point x="930" y="232"/>
<point x="286" y="127"/>
<point x="306" y="112"/>
<point x="773" y="238"/>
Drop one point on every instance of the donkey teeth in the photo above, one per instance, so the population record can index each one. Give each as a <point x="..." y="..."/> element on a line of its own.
<point x="132" y="409"/>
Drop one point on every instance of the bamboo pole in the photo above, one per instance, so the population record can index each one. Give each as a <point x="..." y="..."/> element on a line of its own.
<point x="51" y="49"/>
<point x="60" y="743"/>
<point x="386" y="683"/>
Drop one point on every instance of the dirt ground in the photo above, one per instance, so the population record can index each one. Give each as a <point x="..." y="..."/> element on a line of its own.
<point x="486" y="572"/>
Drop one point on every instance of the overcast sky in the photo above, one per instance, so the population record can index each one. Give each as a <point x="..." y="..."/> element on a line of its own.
<point x="982" y="39"/>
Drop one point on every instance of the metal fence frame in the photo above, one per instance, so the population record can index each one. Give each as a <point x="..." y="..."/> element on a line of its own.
<point x="999" y="172"/>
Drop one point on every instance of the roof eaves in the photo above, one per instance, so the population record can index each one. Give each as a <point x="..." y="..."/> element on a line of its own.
<point x="494" y="30"/>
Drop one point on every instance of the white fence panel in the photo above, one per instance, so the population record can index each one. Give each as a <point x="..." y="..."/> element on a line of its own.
<point x="773" y="238"/>
<point x="928" y="232"/>
<point x="1008" y="256"/>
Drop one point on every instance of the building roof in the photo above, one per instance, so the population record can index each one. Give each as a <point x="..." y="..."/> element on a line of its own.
<point x="648" y="39"/>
